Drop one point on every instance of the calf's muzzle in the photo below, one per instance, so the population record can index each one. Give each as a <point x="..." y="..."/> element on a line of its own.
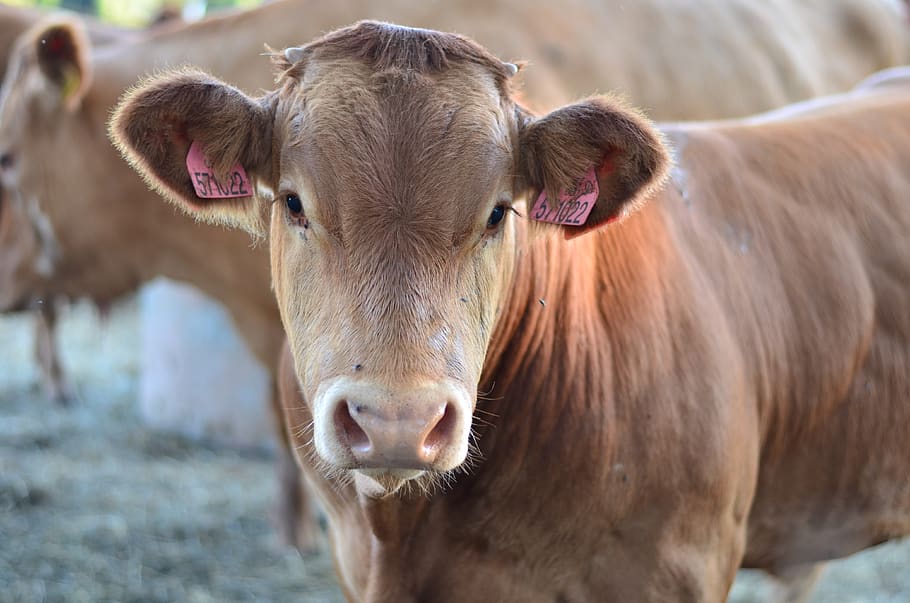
<point x="361" y="426"/>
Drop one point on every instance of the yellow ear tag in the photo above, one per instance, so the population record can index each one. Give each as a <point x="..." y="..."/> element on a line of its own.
<point x="71" y="83"/>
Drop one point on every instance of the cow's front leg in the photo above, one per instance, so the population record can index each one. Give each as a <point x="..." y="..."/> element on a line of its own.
<point x="53" y="379"/>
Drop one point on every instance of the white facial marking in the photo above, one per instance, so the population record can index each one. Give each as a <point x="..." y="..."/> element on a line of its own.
<point x="50" y="250"/>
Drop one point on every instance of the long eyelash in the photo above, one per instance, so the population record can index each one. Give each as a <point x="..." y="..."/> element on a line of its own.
<point x="514" y="211"/>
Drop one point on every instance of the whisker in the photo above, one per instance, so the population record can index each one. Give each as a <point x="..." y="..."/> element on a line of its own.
<point x="486" y="412"/>
<point x="488" y="392"/>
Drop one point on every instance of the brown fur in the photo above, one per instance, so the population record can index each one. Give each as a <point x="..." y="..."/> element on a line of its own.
<point x="661" y="399"/>
<point x="384" y="47"/>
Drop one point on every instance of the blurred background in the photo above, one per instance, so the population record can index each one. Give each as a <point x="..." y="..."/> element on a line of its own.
<point x="146" y="472"/>
<point x="136" y="13"/>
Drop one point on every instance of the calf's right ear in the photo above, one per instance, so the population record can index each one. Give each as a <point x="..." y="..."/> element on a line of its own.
<point x="203" y="144"/>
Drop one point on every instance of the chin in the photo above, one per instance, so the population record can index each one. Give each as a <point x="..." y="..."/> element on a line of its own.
<point x="379" y="483"/>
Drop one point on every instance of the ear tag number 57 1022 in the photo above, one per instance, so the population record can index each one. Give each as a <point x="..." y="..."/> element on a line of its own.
<point x="207" y="185"/>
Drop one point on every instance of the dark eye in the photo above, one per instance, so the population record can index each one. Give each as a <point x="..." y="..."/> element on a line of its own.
<point x="294" y="204"/>
<point x="496" y="216"/>
<point x="6" y="161"/>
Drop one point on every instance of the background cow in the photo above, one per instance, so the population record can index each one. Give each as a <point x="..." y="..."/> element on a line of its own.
<point x="35" y="245"/>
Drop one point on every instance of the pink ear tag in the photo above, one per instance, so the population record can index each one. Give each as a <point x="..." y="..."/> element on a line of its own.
<point x="207" y="185"/>
<point x="574" y="204"/>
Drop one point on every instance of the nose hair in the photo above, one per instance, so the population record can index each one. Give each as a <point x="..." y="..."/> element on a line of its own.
<point x="407" y="436"/>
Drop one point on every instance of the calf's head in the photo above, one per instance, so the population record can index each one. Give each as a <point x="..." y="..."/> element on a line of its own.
<point x="387" y="165"/>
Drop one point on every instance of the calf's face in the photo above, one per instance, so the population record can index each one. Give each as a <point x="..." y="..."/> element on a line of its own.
<point x="391" y="249"/>
<point x="390" y="166"/>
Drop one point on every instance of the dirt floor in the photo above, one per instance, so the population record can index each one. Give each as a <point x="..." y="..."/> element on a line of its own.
<point x="94" y="507"/>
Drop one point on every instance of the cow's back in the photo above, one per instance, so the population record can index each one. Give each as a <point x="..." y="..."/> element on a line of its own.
<point x="724" y="58"/>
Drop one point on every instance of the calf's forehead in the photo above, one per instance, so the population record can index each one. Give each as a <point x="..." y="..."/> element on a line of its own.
<point x="411" y="142"/>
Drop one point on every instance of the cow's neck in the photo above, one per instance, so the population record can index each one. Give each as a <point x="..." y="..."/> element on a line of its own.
<point x="584" y="331"/>
<point x="583" y="308"/>
<point x="588" y="328"/>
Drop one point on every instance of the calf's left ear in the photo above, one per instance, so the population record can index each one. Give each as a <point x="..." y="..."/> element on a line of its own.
<point x="590" y="163"/>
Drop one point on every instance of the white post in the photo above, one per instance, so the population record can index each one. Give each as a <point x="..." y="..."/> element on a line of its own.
<point x="197" y="377"/>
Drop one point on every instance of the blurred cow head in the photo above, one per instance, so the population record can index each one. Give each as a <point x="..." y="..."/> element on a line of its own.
<point x="45" y="79"/>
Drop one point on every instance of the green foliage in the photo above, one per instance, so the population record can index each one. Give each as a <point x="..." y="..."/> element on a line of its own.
<point x="135" y="13"/>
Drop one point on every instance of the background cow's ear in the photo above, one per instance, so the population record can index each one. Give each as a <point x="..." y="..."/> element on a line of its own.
<point x="624" y="150"/>
<point x="62" y="49"/>
<point x="156" y="123"/>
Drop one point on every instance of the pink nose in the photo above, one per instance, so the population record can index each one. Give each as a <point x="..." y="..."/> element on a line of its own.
<point x="413" y="436"/>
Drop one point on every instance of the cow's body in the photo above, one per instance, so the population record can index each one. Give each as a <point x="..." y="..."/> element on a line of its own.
<point x="819" y="205"/>
<point x="805" y="235"/>
<point x="746" y="333"/>
<point x="14" y="21"/>
<point x="686" y="389"/>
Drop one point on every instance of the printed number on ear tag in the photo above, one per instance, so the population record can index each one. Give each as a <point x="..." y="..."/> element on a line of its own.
<point x="207" y="185"/>
<point x="574" y="204"/>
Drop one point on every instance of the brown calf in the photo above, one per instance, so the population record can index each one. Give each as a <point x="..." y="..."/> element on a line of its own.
<point x="557" y="39"/>
<point x="692" y="385"/>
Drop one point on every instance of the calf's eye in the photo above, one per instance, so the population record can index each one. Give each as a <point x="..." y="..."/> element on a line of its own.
<point x="295" y="206"/>
<point x="496" y="216"/>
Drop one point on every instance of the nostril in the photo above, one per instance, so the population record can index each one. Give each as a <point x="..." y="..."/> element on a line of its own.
<point x="348" y="428"/>
<point x="6" y="161"/>
<point x="441" y="434"/>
